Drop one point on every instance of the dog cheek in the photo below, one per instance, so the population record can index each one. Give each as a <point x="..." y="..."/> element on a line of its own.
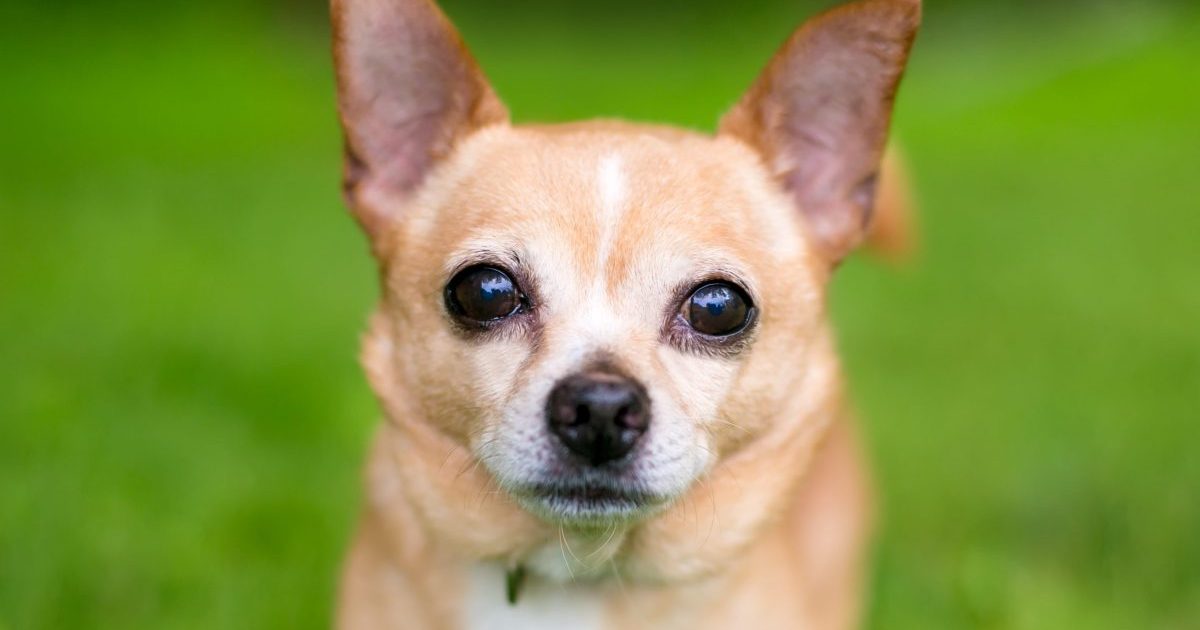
<point x="679" y="450"/>
<point x="494" y="371"/>
<point x="698" y="385"/>
<point x="512" y="441"/>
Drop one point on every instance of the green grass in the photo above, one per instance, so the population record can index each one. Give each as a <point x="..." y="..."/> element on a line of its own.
<point x="182" y="419"/>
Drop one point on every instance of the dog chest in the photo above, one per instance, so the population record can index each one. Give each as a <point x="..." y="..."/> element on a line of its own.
<point x="541" y="606"/>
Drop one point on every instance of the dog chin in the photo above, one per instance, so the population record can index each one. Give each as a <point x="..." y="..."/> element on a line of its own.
<point x="589" y="503"/>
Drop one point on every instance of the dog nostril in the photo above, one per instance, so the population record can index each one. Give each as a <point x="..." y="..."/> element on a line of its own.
<point x="583" y="415"/>
<point x="630" y="417"/>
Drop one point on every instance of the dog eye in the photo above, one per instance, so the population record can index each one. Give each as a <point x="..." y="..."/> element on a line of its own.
<point x="483" y="294"/>
<point x="717" y="309"/>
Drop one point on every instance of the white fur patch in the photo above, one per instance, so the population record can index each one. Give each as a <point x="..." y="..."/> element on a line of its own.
<point x="541" y="606"/>
<point x="613" y="188"/>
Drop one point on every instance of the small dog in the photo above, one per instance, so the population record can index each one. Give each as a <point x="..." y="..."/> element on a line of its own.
<point x="611" y="391"/>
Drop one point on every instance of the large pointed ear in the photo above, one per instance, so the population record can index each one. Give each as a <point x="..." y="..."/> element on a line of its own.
<point x="408" y="90"/>
<point x="819" y="113"/>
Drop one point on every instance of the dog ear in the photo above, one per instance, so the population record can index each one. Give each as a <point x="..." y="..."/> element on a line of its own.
<point x="819" y="113"/>
<point x="408" y="91"/>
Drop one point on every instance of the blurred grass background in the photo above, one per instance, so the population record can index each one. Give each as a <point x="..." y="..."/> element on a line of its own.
<point x="182" y="419"/>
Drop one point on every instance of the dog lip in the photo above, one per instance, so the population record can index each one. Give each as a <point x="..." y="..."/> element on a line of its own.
<point x="588" y="501"/>
<point x="590" y="493"/>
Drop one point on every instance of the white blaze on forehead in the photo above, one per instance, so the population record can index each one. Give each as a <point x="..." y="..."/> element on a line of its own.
<point x="613" y="191"/>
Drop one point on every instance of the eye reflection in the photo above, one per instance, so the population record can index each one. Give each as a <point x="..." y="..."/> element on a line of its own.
<point x="483" y="294"/>
<point x="717" y="309"/>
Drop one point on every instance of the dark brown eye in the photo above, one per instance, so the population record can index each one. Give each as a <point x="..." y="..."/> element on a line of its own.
<point x="483" y="294"/>
<point x="717" y="309"/>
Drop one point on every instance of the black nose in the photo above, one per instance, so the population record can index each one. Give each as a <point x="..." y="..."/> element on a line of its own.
<point x="599" y="415"/>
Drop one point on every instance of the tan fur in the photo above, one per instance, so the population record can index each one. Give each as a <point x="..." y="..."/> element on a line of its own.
<point x="893" y="235"/>
<point x="769" y="501"/>
<point x="432" y="508"/>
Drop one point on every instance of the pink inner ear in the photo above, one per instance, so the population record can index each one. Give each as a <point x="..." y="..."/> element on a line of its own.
<point x="819" y="114"/>
<point x="408" y="90"/>
<point x="863" y="196"/>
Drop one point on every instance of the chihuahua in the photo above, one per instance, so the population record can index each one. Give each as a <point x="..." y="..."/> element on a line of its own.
<point x="611" y="391"/>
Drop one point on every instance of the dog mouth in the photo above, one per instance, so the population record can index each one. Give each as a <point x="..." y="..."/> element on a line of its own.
<point x="589" y="502"/>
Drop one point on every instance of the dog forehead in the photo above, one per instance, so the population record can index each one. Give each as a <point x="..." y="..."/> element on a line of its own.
<point x="608" y="199"/>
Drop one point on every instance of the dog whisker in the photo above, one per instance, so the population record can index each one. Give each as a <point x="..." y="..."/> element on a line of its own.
<point x="604" y="545"/>
<point x="618" y="579"/>
<point x="712" y="522"/>
<point x="563" y="547"/>
<point x="450" y="453"/>
<point x="733" y="424"/>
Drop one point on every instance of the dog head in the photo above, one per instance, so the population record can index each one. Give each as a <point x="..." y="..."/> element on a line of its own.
<point x="599" y="313"/>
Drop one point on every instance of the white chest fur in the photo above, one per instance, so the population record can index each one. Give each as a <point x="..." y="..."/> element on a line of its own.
<point x="541" y="606"/>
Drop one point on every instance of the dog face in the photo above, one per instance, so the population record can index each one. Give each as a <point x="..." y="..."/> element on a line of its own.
<point x="585" y="319"/>
<point x="600" y="312"/>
